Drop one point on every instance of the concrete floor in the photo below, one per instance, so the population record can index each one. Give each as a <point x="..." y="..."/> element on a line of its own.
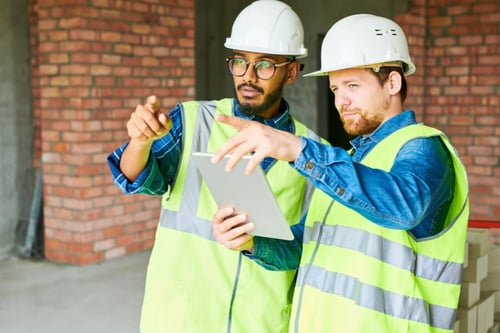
<point x="46" y="297"/>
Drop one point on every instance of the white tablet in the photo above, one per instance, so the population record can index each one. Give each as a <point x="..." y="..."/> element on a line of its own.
<point x="250" y="194"/>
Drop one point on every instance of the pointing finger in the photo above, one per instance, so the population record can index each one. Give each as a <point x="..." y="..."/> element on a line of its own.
<point x="152" y="104"/>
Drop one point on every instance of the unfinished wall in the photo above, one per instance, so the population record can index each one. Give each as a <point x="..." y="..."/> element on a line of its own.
<point x="16" y="134"/>
<point x="462" y="91"/>
<point x="95" y="61"/>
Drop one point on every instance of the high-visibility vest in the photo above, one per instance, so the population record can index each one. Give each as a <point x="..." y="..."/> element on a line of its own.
<point x="356" y="276"/>
<point x="195" y="284"/>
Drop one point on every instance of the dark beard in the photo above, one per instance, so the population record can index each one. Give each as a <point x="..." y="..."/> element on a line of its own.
<point x="270" y="99"/>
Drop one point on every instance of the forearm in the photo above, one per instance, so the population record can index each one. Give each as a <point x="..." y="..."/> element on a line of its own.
<point x="397" y="199"/>
<point x="135" y="158"/>
<point x="148" y="168"/>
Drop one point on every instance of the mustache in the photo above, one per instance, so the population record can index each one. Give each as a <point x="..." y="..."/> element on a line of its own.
<point x="254" y="87"/>
<point x="347" y="109"/>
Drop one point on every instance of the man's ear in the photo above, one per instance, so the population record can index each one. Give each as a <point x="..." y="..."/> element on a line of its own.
<point x="394" y="83"/>
<point x="293" y="72"/>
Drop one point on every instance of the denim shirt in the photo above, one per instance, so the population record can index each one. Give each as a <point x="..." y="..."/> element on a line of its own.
<point x="414" y="195"/>
<point x="159" y="174"/>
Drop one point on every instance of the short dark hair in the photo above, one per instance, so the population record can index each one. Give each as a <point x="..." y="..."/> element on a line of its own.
<point x="383" y="74"/>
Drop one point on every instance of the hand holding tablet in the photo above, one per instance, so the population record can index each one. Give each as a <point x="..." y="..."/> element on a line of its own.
<point x="250" y="194"/>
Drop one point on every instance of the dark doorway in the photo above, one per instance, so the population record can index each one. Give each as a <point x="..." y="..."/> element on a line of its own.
<point x="329" y="125"/>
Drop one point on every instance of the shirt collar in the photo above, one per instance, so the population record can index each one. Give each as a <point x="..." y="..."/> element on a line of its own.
<point x="393" y="124"/>
<point x="281" y="121"/>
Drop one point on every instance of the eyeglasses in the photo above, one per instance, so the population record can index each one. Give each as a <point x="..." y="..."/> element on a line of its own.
<point x="263" y="69"/>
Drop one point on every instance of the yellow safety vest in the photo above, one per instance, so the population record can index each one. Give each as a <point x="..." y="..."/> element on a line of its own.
<point x="358" y="277"/>
<point x="195" y="284"/>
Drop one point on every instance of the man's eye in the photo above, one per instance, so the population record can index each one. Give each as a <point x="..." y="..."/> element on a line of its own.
<point x="263" y="64"/>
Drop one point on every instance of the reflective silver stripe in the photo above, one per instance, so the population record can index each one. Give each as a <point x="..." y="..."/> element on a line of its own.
<point x="186" y="223"/>
<point x="378" y="299"/>
<point x="204" y="121"/>
<point x="184" y="220"/>
<point x="388" y="251"/>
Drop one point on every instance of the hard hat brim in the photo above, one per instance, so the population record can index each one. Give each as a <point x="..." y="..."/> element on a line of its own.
<point x="316" y="73"/>
<point x="251" y="48"/>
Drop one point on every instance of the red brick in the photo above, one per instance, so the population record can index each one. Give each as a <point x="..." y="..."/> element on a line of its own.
<point x="115" y="232"/>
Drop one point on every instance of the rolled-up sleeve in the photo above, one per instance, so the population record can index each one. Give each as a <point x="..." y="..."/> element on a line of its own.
<point x="160" y="171"/>
<point x="149" y="181"/>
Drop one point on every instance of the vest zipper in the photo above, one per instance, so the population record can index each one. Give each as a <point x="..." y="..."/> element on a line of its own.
<point x="233" y="294"/>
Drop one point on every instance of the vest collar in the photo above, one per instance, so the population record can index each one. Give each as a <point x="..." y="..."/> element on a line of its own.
<point x="393" y="124"/>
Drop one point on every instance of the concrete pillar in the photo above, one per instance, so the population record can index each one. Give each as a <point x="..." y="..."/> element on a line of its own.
<point x="16" y="134"/>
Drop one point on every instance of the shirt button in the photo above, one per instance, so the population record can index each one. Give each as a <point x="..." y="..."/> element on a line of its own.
<point x="309" y="165"/>
<point x="340" y="190"/>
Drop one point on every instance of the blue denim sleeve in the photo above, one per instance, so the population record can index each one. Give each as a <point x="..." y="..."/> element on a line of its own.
<point x="276" y="254"/>
<point x="160" y="171"/>
<point x="402" y="198"/>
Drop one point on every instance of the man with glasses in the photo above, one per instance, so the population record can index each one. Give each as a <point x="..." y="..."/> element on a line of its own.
<point x="193" y="284"/>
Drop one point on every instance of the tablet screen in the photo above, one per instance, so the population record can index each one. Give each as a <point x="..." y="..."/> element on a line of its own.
<point x="250" y="194"/>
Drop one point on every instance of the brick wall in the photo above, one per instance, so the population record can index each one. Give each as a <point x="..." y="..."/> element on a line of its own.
<point x="93" y="62"/>
<point x="414" y="24"/>
<point x="457" y="43"/>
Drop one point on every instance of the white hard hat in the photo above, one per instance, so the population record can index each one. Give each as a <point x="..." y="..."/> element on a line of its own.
<point x="268" y="26"/>
<point x="364" y="40"/>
